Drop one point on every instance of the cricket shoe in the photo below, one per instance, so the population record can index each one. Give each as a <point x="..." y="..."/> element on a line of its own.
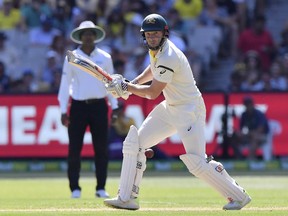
<point x="102" y="194"/>
<point x="237" y="205"/>
<point x="76" y="193"/>
<point x="118" y="203"/>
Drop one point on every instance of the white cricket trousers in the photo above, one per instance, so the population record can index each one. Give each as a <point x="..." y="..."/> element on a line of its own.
<point x="188" y="120"/>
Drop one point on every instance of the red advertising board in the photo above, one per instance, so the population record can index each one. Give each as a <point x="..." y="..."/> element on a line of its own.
<point x="30" y="125"/>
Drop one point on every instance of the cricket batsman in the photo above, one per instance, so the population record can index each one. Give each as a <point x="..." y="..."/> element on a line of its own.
<point x="183" y="111"/>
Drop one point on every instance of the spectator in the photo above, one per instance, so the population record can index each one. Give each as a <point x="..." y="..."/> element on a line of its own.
<point x="239" y="9"/>
<point x="259" y="39"/>
<point x="87" y="7"/>
<point x="32" y="10"/>
<point x="62" y="18"/>
<point x="10" y="17"/>
<point x="55" y="84"/>
<point x="197" y="66"/>
<point x="163" y="6"/>
<point x="283" y="45"/>
<point x="88" y="107"/>
<point x="44" y="34"/>
<point x="189" y="11"/>
<point x="135" y="7"/>
<point x="4" y="79"/>
<point x="135" y="63"/>
<point x="265" y="82"/>
<point x="48" y="72"/>
<point x="214" y="16"/>
<point x="253" y="129"/>
<point x="129" y="42"/>
<point x="253" y="72"/>
<point x="26" y="84"/>
<point x="278" y="80"/>
<point x="10" y="57"/>
<point x="251" y="83"/>
<point x="115" y="25"/>
<point x="176" y="22"/>
<point x="60" y="46"/>
<point x="284" y="62"/>
<point x="236" y="79"/>
<point x="236" y="10"/>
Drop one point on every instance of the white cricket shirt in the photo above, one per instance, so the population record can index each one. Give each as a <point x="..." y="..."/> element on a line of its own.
<point x="171" y="66"/>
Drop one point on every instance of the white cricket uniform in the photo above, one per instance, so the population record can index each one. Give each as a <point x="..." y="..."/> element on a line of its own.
<point x="183" y="110"/>
<point x="73" y="79"/>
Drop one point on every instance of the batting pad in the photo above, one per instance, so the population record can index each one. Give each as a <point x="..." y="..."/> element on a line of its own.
<point x="128" y="170"/>
<point x="140" y="168"/>
<point x="215" y="175"/>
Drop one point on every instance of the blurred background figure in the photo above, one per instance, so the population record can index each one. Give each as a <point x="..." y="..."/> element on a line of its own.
<point x="252" y="72"/>
<point x="118" y="131"/>
<point x="4" y="79"/>
<point x="283" y="44"/>
<point x="49" y="70"/>
<point x="32" y="10"/>
<point x="10" y="57"/>
<point x="215" y="16"/>
<point x="44" y="34"/>
<point x="259" y="39"/>
<point x="56" y="81"/>
<point x="60" y="46"/>
<point x="10" y="17"/>
<point x="26" y="84"/>
<point x="278" y="81"/>
<point x="253" y="130"/>
<point x="189" y="10"/>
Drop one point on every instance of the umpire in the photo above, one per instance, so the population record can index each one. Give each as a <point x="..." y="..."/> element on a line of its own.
<point x="89" y="107"/>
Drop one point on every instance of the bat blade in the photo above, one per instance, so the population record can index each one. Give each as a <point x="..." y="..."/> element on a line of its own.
<point x="88" y="66"/>
<point x="91" y="68"/>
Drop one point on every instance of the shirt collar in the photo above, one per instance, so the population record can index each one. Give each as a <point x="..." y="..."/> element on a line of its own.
<point x="163" y="48"/>
<point x="93" y="53"/>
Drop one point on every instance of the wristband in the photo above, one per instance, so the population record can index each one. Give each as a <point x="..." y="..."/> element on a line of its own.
<point x="124" y="86"/>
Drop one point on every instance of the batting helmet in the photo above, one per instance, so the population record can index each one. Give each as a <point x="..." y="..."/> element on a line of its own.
<point x="155" y="22"/>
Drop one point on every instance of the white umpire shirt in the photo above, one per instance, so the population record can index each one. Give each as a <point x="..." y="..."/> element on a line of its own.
<point x="81" y="85"/>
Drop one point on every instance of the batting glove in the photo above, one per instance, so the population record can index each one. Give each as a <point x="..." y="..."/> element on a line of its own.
<point x="118" y="87"/>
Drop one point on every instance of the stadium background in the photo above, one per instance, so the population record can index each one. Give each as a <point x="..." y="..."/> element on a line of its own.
<point x="31" y="136"/>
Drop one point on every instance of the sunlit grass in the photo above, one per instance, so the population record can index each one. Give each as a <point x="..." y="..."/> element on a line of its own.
<point x="174" y="194"/>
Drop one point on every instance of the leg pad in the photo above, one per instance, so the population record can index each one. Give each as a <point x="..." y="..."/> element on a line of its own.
<point x="215" y="175"/>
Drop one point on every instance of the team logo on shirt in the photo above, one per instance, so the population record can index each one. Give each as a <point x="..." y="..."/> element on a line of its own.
<point x="163" y="71"/>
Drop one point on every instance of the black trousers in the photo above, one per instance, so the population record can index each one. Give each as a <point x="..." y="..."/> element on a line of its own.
<point x="92" y="113"/>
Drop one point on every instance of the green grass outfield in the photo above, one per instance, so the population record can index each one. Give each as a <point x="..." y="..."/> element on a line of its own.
<point x="173" y="193"/>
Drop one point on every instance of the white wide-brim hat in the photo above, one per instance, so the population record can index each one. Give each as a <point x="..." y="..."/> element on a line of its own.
<point x="87" y="25"/>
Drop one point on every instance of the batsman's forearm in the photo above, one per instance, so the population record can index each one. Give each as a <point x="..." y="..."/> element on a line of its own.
<point x="143" y="91"/>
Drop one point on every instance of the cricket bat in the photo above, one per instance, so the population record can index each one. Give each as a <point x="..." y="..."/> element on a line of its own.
<point x="91" y="68"/>
<point x="88" y="66"/>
